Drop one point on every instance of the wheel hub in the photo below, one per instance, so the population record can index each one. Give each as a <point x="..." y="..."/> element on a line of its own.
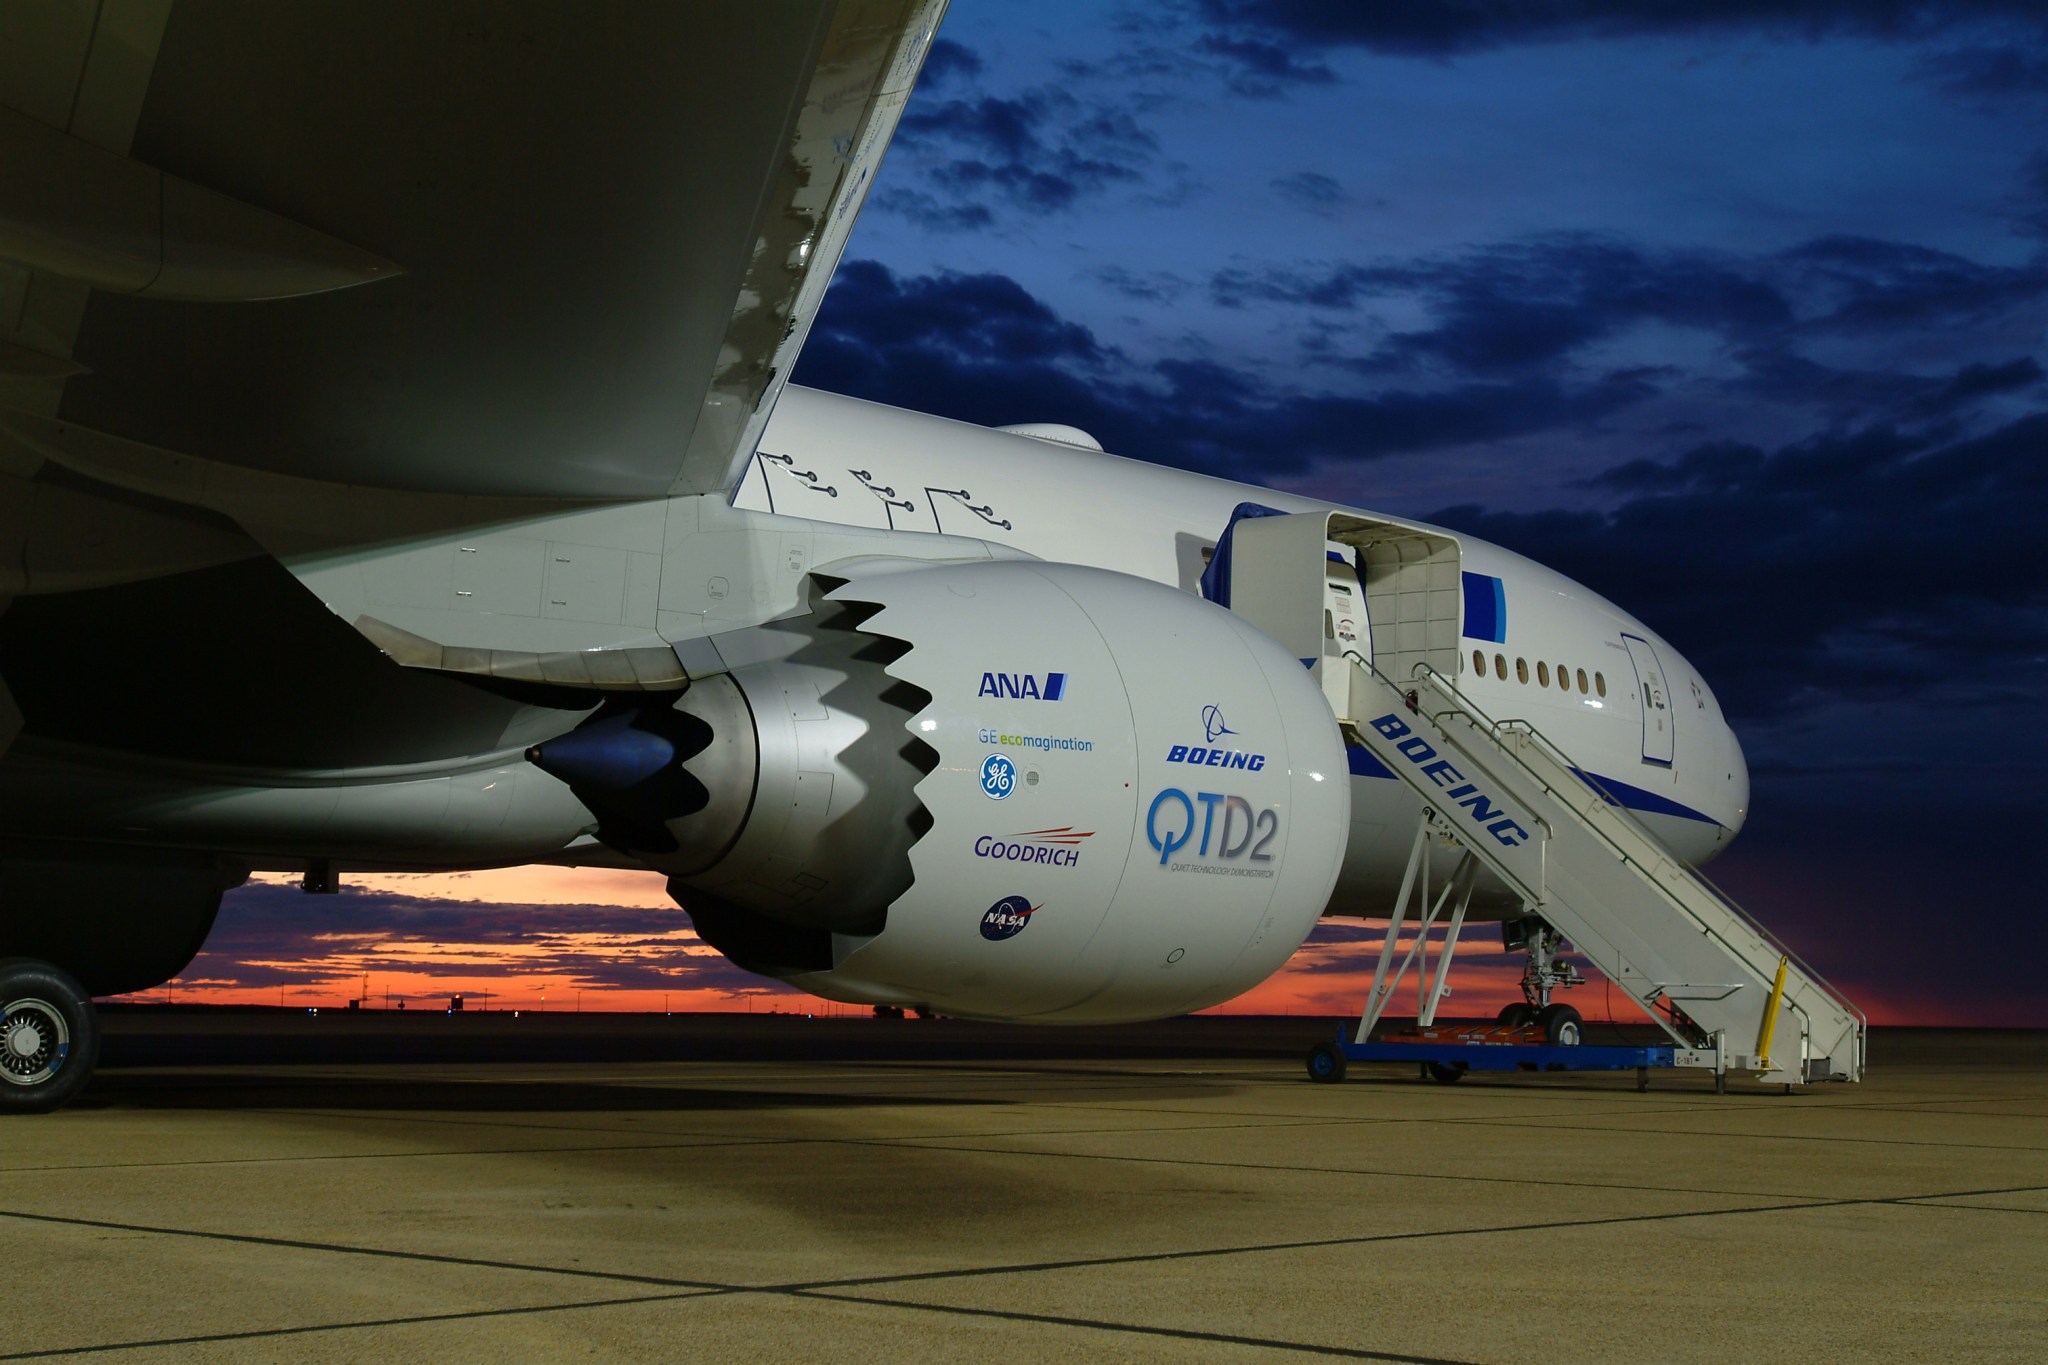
<point x="24" y="1039"/>
<point x="34" y="1040"/>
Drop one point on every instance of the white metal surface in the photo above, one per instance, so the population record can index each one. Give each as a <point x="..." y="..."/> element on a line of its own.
<point x="1177" y="771"/>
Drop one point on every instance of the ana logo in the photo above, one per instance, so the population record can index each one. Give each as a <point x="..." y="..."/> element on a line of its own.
<point x="1007" y="918"/>
<point x="1238" y="844"/>
<point x="1212" y="723"/>
<point x="1024" y="686"/>
<point x="1056" y="847"/>
<point x="998" y="776"/>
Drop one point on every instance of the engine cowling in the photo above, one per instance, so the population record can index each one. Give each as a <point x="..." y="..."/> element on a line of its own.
<point x="1009" y="790"/>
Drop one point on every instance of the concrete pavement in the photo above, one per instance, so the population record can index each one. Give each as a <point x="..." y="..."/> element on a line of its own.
<point x="1130" y="1208"/>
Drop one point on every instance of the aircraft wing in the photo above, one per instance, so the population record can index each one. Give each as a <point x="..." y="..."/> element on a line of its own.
<point x="527" y="248"/>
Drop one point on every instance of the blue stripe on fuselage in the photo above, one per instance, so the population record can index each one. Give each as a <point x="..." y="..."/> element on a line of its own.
<point x="1635" y="798"/>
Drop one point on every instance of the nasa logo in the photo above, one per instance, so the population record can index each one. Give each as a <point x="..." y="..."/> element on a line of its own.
<point x="1023" y="686"/>
<point x="1211" y="756"/>
<point x="1059" y="847"/>
<point x="1242" y="833"/>
<point x="998" y="776"/>
<point x="1007" y="918"/>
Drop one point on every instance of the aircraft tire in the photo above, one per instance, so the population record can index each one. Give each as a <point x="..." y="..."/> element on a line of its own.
<point x="1562" y="1026"/>
<point x="1517" y="1015"/>
<point x="1326" y="1063"/>
<point x="1446" y="1073"/>
<point x="49" y="1037"/>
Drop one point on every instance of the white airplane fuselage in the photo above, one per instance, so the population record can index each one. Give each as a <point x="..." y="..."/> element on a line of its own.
<point x="1643" y="722"/>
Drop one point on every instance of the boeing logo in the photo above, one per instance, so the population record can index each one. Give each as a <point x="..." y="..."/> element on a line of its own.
<point x="1212" y="723"/>
<point x="1023" y="686"/>
<point x="1211" y="755"/>
<point x="1477" y="805"/>
<point x="1215" y="758"/>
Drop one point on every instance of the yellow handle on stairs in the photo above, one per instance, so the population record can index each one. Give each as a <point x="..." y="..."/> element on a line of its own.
<point x="1763" y="1039"/>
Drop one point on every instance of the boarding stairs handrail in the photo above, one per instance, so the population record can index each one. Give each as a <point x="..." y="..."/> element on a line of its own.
<point x="1612" y="811"/>
<point x="1680" y="886"/>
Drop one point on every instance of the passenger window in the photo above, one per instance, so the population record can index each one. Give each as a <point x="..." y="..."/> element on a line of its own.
<point x="1600" y="683"/>
<point x="1582" y="681"/>
<point x="1564" y="679"/>
<point x="1542" y="674"/>
<point x="1521" y="670"/>
<point x="1478" y="663"/>
<point x="1500" y="667"/>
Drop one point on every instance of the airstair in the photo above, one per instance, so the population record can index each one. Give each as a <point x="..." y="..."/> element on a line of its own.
<point x="1728" y="994"/>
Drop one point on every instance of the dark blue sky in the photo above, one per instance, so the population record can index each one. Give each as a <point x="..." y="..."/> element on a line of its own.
<point x="1736" y="312"/>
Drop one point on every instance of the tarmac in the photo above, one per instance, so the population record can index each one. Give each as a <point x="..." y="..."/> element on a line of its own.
<point x="263" y="1186"/>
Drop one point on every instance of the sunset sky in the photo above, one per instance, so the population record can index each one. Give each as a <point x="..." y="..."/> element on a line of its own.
<point x="1735" y="313"/>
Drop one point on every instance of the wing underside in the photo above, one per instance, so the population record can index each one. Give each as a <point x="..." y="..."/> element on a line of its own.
<point x="515" y="249"/>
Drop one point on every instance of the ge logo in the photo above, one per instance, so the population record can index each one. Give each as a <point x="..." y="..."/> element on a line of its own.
<point x="998" y="776"/>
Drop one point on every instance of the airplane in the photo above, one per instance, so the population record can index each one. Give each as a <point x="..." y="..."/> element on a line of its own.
<point x="399" y="471"/>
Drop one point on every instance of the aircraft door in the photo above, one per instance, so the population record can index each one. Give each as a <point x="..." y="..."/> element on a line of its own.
<point x="1655" y="700"/>
<point x="1345" y="630"/>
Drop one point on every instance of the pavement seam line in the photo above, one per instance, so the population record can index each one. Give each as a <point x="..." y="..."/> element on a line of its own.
<point x="1367" y="1239"/>
<point x="310" y="1328"/>
<point x="1104" y="1325"/>
<point x="388" y="1253"/>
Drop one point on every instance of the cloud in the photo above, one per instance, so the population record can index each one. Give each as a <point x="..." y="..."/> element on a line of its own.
<point x="1859" y="284"/>
<point x="948" y="63"/>
<point x="2031" y="199"/>
<point x="1262" y="69"/>
<point x="1311" y="190"/>
<point x="1149" y="286"/>
<point x="1513" y="339"/>
<point x="930" y="211"/>
<point x="1043" y="150"/>
<point x="1518" y="305"/>
<point x="1452" y="27"/>
<point x="1567" y="307"/>
<point x="1989" y="72"/>
<point x="1880" y="564"/>
<point x="981" y="348"/>
<point x="272" y="936"/>
<point x="1847" y="395"/>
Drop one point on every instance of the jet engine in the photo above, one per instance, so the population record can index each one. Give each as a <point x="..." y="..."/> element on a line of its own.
<point x="1001" y="789"/>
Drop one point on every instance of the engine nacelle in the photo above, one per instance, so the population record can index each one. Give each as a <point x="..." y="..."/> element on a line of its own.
<point x="1003" y="789"/>
<point x="1139" y="805"/>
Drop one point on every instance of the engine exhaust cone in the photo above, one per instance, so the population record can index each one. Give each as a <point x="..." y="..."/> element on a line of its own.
<point x="611" y="753"/>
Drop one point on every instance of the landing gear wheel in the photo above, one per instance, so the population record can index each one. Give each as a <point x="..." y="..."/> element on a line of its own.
<point x="1326" y="1063"/>
<point x="1561" y="1026"/>
<point x="49" y="1037"/>
<point x="1517" y="1015"/>
<point x="1446" y="1073"/>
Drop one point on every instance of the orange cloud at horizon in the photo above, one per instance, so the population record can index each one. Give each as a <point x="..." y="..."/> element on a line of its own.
<point x="599" y="939"/>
